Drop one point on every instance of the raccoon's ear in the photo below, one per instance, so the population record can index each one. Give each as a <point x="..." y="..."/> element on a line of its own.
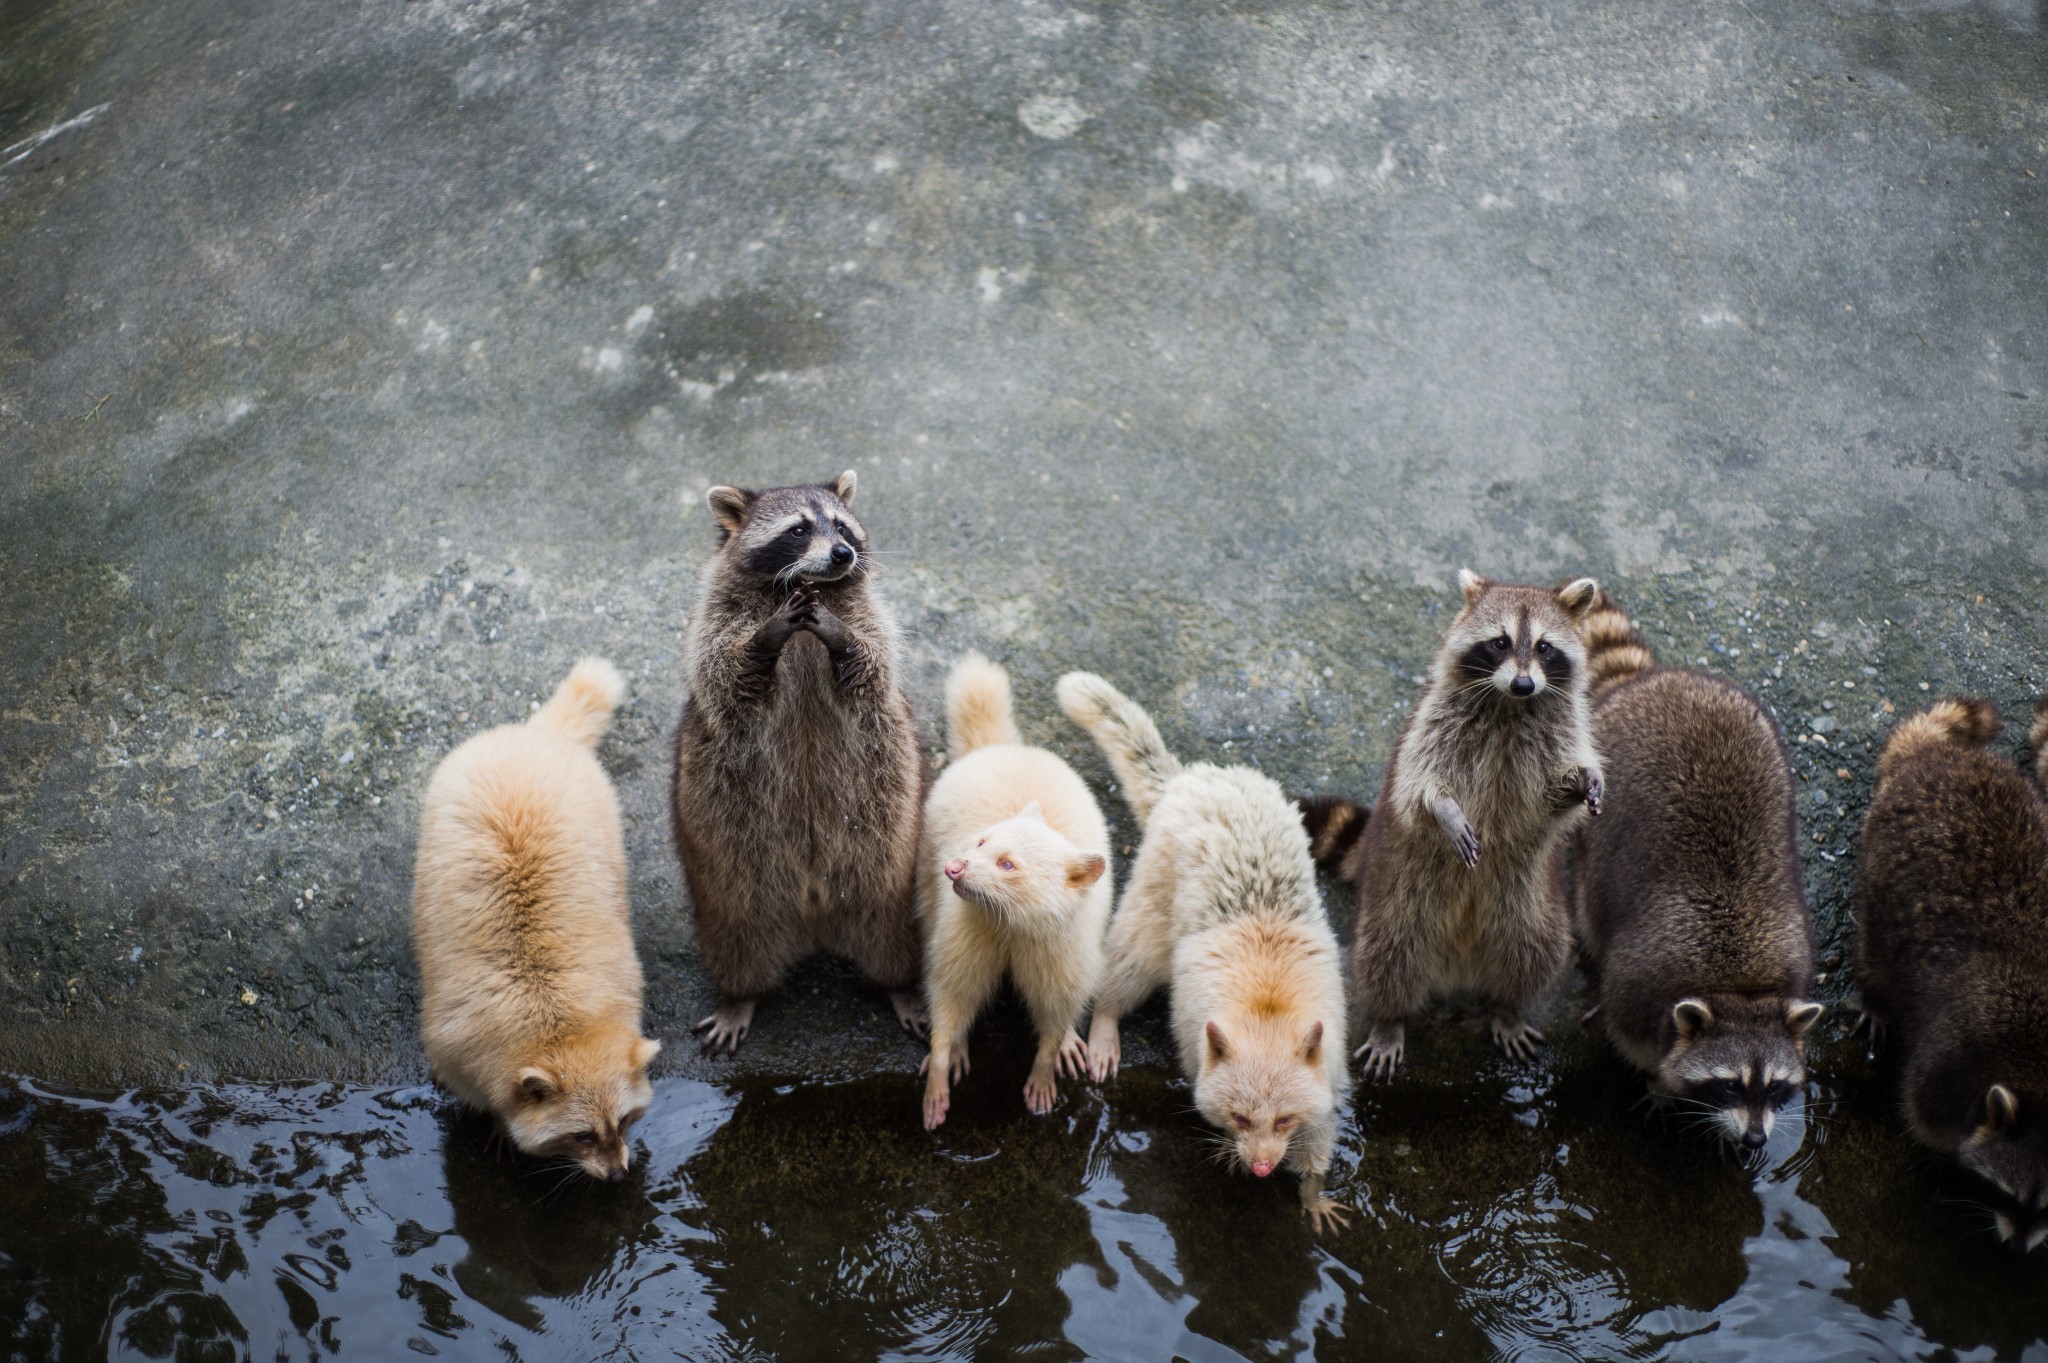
<point x="729" y="506"/>
<point x="537" y="1085"/>
<point x="1312" y="1044"/>
<point x="644" y="1050"/>
<point x="1471" y="584"/>
<point x="1032" y="811"/>
<point x="1219" y="1045"/>
<point x="842" y="486"/>
<point x="1085" y="871"/>
<point x="1578" y="597"/>
<point x="1800" y="1017"/>
<point x="2001" y="1109"/>
<point x="1691" y="1017"/>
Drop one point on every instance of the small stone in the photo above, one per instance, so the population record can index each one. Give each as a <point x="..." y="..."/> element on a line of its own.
<point x="1842" y="773"/>
<point x="1822" y="724"/>
<point x="248" y="995"/>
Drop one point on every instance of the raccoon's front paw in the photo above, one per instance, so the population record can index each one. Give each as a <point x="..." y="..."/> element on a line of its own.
<point x="1871" y="1027"/>
<point x="938" y="1100"/>
<point x="1326" y="1214"/>
<point x="1515" y="1037"/>
<point x="1384" y="1046"/>
<point x="1040" y="1089"/>
<point x="1593" y="788"/>
<point x="1465" y="841"/>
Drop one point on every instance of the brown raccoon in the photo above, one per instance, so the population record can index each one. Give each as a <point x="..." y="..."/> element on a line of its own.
<point x="798" y="771"/>
<point x="1952" y="907"/>
<point x="1456" y="869"/>
<point x="1691" y="916"/>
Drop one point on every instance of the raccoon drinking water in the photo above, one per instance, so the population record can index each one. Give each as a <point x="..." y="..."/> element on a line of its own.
<point x="1455" y="868"/>
<point x="1222" y="902"/>
<point x="798" y="772"/>
<point x="1692" y="922"/>
<point x="1952" y="910"/>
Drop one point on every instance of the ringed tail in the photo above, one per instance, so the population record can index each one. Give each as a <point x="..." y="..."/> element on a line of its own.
<point x="1953" y="719"/>
<point x="1126" y="735"/>
<point x="1334" y="824"/>
<point x="978" y="711"/>
<point x="583" y="705"/>
<point x="1615" y="648"/>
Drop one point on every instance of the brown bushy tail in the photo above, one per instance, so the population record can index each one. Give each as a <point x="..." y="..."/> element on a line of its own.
<point x="582" y="706"/>
<point x="978" y="706"/>
<point x="1615" y="649"/>
<point x="1953" y="719"/>
<point x="2037" y="740"/>
<point x="1334" y="825"/>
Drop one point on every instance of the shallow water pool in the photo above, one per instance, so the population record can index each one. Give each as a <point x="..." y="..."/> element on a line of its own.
<point x="1527" y="1214"/>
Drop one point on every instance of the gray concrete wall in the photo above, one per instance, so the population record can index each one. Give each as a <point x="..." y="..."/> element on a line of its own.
<point x="362" y="365"/>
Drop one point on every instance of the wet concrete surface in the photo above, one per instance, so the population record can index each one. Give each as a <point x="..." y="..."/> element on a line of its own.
<point x="362" y="366"/>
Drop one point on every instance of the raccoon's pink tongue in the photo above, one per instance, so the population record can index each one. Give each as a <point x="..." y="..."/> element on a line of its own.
<point x="1261" y="1168"/>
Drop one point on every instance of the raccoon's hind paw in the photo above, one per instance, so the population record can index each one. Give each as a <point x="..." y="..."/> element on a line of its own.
<point x="727" y="1027"/>
<point x="910" y="1012"/>
<point x="1073" y="1057"/>
<point x="1382" y="1051"/>
<point x="1594" y="788"/>
<point x="1516" y="1038"/>
<point x="1871" y="1028"/>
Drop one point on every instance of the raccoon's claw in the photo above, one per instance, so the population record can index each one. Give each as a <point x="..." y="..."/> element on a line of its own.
<point x="727" y="1026"/>
<point x="1590" y="1019"/>
<point x="1594" y="787"/>
<point x="1465" y="842"/>
<point x="1073" y="1058"/>
<point x="1040" y="1090"/>
<point x="937" y="1102"/>
<point x="1326" y="1214"/>
<point x="1382" y="1051"/>
<point x="1871" y="1027"/>
<point x="1516" y="1038"/>
<point x="910" y="1012"/>
<point x="1105" y="1051"/>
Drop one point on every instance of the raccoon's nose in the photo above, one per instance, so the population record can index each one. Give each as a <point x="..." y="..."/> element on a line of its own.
<point x="615" y="1176"/>
<point x="954" y="869"/>
<point x="842" y="554"/>
<point x="1262" y="1167"/>
<point x="1522" y="685"/>
<point x="1753" y="1139"/>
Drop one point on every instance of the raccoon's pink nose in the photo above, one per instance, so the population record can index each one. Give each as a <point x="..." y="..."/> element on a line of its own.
<point x="955" y="869"/>
<point x="1262" y="1167"/>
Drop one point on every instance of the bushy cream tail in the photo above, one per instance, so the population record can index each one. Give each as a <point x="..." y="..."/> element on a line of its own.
<point x="1956" y="719"/>
<point x="978" y="706"/>
<point x="583" y="704"/>
<point x="1615" y="649"/>
<point x="1126" y="735"/>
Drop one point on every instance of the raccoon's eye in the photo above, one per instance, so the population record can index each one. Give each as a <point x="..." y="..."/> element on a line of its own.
<point x="1779" y="1093"/>
<point x="1502" y="644"/>
<point x="1720" y="1092"/>
<point x="586" y="1138"/>
<point x="840" y="526"/>
<point x="800" y="529"/>
<point x="1282" y="1123"/>
<point x="1543" y="647"/>
<point x="1243" y="1124"/>
<point x="982" y="843"/>
<point x="1007" y="864"/>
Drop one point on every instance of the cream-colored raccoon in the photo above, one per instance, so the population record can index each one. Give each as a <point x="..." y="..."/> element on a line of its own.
<point x="530" y="987"/>
<point x="1011" y="880"/>
<point x="1222" y="901"/>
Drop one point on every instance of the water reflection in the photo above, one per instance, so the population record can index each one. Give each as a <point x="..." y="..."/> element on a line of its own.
<point x="1521" y="1215"/>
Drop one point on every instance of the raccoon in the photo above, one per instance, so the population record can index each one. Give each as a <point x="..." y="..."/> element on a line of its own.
<point x="1692" y="921"/>
<point x="1222" y="902"/>
<point x="1456" y="867"/>
<point x="1952" y="910"/>
<point x="798" y="775"/>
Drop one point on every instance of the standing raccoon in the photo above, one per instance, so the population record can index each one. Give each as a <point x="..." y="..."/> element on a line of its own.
<point x="1692" y="919"/>
<point x="1952" y="906"/>
<point x="1011" y="881"/>
<point x="1456" y="865"/>
<point x="798" y="771"/>
<point x="1222" y="901"/>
